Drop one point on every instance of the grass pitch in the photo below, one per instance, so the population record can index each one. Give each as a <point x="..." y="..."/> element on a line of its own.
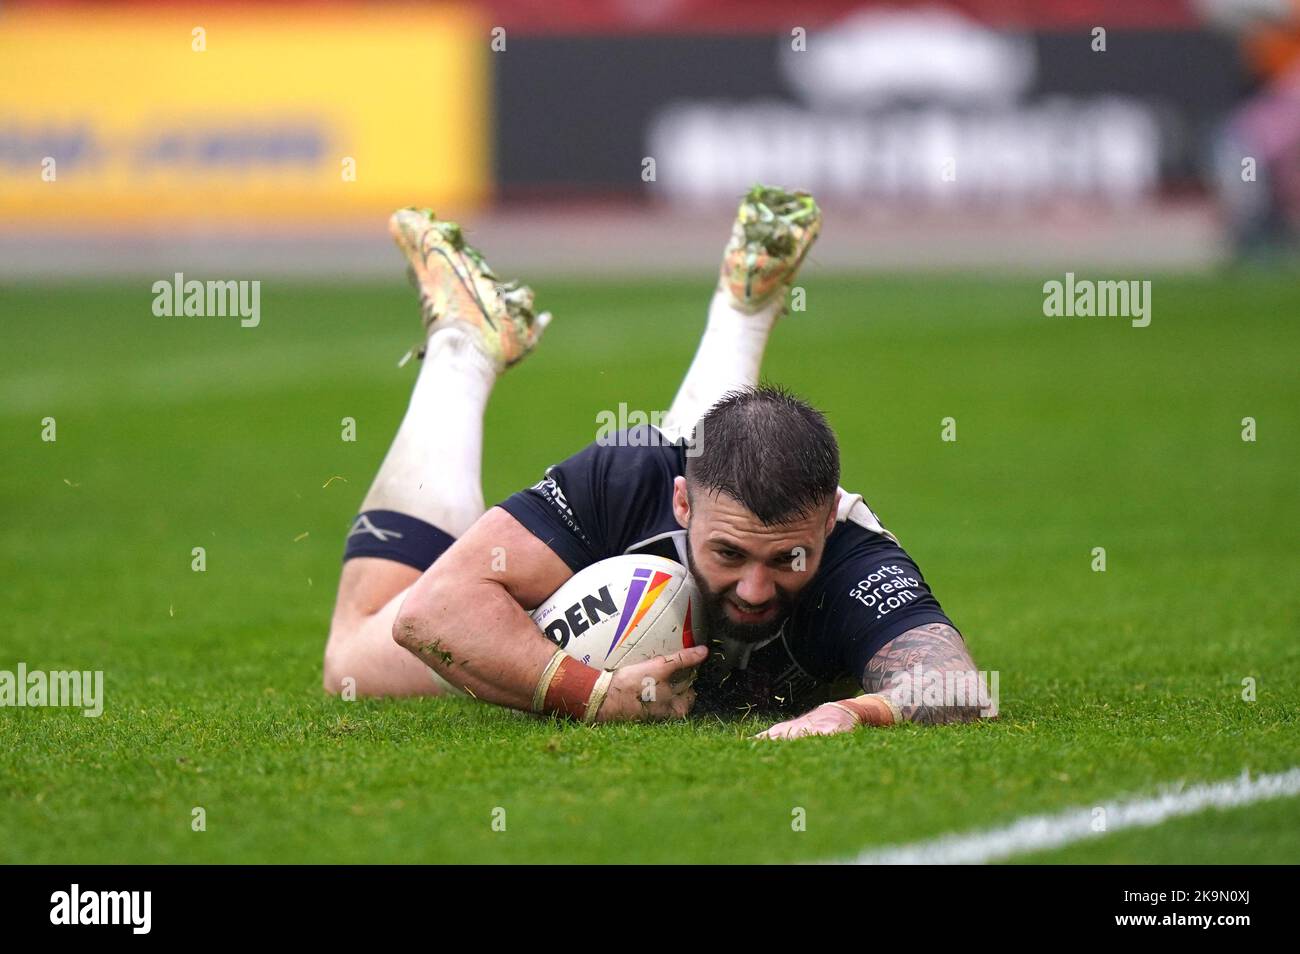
<point x="1072" y="434"/>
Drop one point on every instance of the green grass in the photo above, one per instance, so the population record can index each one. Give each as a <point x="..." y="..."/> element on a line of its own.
<point x="1072" y="434"/>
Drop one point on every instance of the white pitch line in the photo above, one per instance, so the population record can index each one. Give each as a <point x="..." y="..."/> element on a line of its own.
<point x="1044" y="832"/>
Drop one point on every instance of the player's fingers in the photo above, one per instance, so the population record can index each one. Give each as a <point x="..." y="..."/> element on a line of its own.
<point x="683" y="678"/>
<point x="674" y="705"/>
<point x="683" y="703"/>
<point x="683" y="658"/>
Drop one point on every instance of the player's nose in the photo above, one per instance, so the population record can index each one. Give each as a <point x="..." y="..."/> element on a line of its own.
<point x="756" y="586"/>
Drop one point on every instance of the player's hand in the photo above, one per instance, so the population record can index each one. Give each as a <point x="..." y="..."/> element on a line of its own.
<point x="659" y="688"/>
<point x="824" y="720"/>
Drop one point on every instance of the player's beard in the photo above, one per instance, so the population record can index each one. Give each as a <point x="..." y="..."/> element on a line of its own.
<point x="718" y="625"/>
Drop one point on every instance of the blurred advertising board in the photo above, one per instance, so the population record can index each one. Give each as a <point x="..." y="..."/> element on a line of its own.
<point x="915" y="106"/>
<point x="261" y="115"/>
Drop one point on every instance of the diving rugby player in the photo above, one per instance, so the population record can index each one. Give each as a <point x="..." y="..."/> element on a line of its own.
<point x="813" y="610"/>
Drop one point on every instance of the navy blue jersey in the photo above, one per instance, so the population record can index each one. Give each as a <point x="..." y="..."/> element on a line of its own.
<point x="615" y="498"/>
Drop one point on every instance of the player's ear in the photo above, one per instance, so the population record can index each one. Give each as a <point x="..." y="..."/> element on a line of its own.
<point x="681" y="502"/>
<point x="835" y="509"/>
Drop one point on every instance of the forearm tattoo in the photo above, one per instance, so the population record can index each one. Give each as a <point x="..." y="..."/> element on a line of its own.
<point x="937" y="648"/>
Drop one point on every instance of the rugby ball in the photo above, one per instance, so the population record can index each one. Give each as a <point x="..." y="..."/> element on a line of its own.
<point x="621" y="611"/>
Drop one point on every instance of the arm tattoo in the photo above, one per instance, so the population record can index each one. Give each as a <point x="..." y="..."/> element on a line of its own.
<point x="937" y="648"/>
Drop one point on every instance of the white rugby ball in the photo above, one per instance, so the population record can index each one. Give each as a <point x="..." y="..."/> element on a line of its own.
<point x="621" y="611"/>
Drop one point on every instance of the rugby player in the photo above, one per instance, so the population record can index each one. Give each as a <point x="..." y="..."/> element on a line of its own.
<point x="812" y="607"/>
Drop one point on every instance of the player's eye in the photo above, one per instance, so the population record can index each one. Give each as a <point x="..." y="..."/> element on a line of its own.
<point x="727" y="553"/>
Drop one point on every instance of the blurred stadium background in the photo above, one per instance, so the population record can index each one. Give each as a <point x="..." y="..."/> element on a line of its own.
<point x="274" y="138"/>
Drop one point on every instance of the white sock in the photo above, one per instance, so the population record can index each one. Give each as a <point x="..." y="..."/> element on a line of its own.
<point x="433" y="471"/>
<point x="729" y="357"/>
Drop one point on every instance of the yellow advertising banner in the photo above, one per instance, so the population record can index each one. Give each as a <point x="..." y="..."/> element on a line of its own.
<point x="264" y="116"/>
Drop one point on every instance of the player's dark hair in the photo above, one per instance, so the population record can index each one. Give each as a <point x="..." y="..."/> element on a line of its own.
<point x="768" y="450"/>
